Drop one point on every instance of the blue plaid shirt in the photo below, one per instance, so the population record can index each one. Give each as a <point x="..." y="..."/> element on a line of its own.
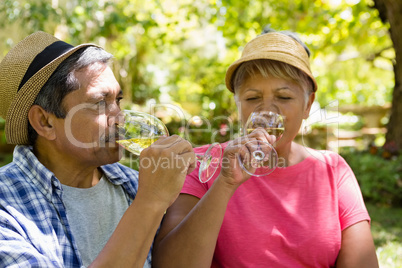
<point x="34" y="231"/>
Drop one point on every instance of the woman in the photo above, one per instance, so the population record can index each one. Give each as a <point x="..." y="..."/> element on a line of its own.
<point x="309" y="213"/>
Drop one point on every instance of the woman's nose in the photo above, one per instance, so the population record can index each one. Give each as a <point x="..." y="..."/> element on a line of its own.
<point x="268" y="105"/>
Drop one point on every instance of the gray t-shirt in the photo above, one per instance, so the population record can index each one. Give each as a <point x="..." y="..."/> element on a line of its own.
<point x="93" y="214"/>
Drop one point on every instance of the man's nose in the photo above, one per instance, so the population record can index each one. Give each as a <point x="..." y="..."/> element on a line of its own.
<point x="116" y="118"/>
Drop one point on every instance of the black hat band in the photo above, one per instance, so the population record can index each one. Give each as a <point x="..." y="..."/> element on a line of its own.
<point x="47" y="55"/>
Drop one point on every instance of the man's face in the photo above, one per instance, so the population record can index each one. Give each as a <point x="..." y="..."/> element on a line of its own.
<point x="87" y="134"/>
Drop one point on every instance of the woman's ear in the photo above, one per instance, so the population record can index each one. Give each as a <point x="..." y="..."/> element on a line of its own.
<point x="310" y="101"/>
<point x="42" y="122"/>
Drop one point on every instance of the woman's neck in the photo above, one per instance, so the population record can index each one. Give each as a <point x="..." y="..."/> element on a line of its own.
<point x="291" y="154"/>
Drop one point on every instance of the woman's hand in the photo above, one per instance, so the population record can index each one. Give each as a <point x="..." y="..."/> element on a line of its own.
<point x="232" y="173"/>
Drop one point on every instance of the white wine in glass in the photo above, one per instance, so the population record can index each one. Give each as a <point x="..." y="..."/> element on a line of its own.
<point x="136" y="145"/>
<point x="139" y="130"/>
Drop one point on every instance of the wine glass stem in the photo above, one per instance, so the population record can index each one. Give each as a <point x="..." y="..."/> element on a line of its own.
<point x="199" y="157"/>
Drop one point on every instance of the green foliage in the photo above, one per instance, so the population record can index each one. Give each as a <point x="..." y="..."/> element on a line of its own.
<point x="184" y="47"/>
<point x="5" y="150"/>
<point x="220" y="129"/>
<point x="2" y="135"/>
<point x="178" y="52"/>
<point x="380" y="179"/>
<point x="5" y="159"/>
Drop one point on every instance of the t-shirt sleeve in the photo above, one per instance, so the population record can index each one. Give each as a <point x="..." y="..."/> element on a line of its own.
<point x="193" y="186"/>
<point x="350" y="200"/>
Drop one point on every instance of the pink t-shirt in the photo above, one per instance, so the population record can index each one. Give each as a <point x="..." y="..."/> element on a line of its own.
<point x="290" y="218"/>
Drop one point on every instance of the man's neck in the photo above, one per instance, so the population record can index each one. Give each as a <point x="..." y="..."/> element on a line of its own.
<point x="69" y="171"/>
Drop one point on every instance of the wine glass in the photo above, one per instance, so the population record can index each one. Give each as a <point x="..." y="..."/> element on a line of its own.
<point x="256" y="157"/>
<point x="209" y="162"/>
<point x="139" y="130"/>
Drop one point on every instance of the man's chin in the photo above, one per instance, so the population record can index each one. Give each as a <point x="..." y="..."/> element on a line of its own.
<point x="113" y="157"/>
<point x="114" y="151"/>
<point x="113" y="146"/>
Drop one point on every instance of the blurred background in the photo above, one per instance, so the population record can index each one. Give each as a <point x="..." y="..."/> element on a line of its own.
<point x="171" y="57"/>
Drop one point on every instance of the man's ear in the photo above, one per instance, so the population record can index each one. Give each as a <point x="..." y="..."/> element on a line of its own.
<point x="42" y="122"/>
<point x="310" y="101"/>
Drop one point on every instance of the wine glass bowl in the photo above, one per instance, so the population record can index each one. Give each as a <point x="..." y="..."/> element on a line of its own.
<point x="256" y="157"/>
<point x="139" y="130"/>
<point x="272" y="122"/>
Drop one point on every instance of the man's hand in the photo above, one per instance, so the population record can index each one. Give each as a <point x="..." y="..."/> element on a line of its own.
<point x="163" y="168"/>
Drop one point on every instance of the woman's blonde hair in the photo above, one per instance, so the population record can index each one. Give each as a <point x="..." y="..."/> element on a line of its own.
<point x="272" y="68"/>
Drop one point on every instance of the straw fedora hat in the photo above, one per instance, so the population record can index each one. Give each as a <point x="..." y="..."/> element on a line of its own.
<point x="23" y="72"/>
<point x="273" y="46"/>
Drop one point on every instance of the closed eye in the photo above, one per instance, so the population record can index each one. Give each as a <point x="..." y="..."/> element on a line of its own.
<point x="251" y="98"/>
<point x="101" y="102"/>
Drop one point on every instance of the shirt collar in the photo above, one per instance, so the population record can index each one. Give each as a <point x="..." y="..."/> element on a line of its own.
<point x="117" y="174"/>
<point x="46" y="181"/>
<point x="35" y="171"/>
<point x="114" y="174"/>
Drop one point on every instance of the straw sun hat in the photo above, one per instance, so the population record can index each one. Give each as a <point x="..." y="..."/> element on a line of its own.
<point x="23" y="72"/>
<point x="273" y="46"/>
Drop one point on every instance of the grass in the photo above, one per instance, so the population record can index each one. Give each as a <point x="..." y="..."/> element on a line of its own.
<point x="386" y="228"/>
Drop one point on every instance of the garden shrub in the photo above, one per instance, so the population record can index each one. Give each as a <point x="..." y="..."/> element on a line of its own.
<point x="380" y="179"/>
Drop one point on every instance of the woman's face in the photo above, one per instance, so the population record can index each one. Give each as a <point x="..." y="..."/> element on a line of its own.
<point x="278" y="95"/>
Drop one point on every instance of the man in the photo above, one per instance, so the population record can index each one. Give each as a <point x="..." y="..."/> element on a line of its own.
<point x="64" y="201"/>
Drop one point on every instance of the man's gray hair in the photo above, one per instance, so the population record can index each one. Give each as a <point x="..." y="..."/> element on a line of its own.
<point x="63" y="81"/>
